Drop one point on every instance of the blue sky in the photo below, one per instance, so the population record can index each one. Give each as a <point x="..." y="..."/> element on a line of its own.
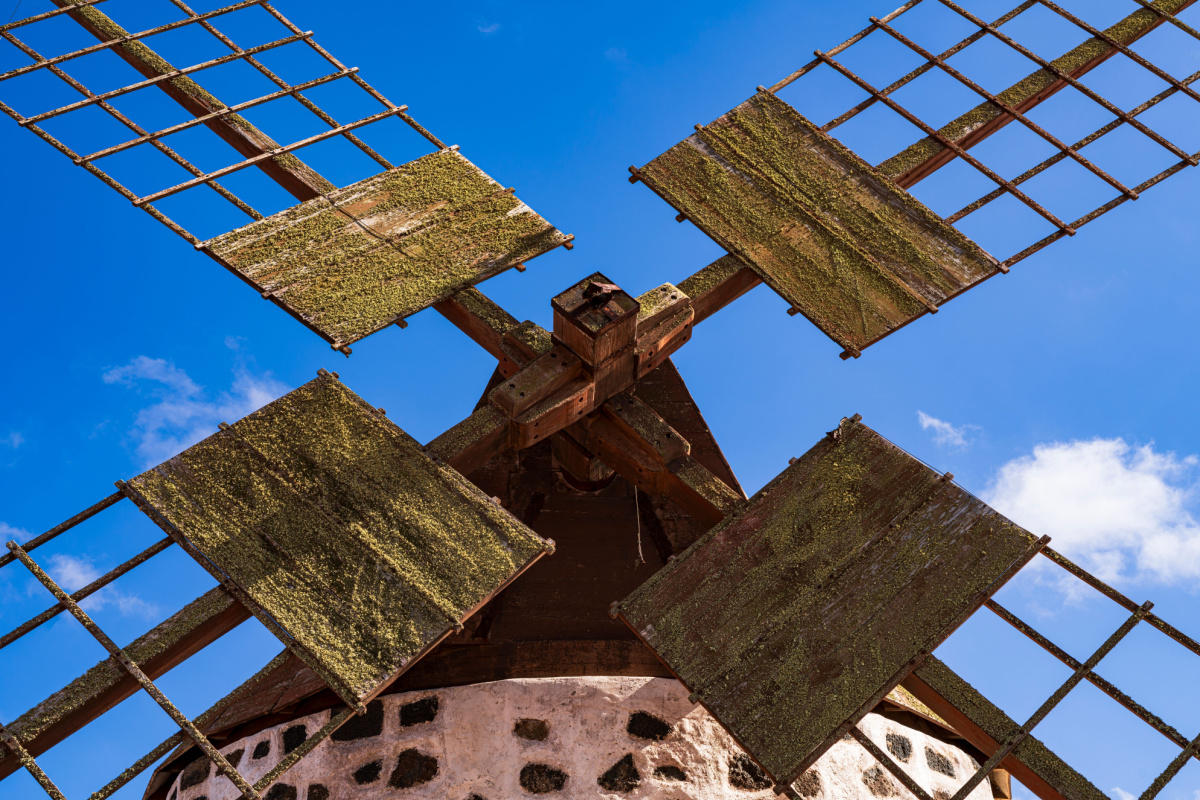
<point x="1063" y="392"/>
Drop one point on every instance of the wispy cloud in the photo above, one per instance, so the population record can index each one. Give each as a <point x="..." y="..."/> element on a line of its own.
<point x="1124" y="795"/>
<point x="1123" y="512"/>
<point x="73" y="573"/>
<point x="956" y="437"/>
<point x="616" y="54"/>
<point x="183" y="412"/>
<point x="10" y="533"/>
<point x="13" y="440"/>
<point x="487" y="30"/>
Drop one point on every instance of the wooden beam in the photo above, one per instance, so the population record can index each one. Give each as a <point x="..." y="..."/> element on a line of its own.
<point x="473" y="442"/>
<point x="718" y="285"/>
<point x="985" y="726"/>
<point x="299" y="179"/>
<point x="474" y="313"/>
<point x="922" y="159"/>
<point x="193" y="628"/>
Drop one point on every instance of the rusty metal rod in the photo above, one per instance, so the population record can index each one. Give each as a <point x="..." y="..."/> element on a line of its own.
<point x="307" y="746"/>
<point x="281" y="83"/>
<point x="1046" y="65"/>
<point x="1160" y="783"/>
<point x="921" y="70"/>
<point x="1006" y="108"/>
<point x="1169" y="17"/>
<point x="388" y="104"/>
<point x="87" y="591"/>
<point x="133" y="37"/>
<point x="249" y="162"/>
<point x="135" y="671"/>
<point x="855" y="39"/>
<point x="1004" y="750"/>
<point x="63" y="527"/>
<point x="31" y="766"/>
<point x="191" y="123"/>
<point x="157" y="79"/>
<point x="1057" y="157"/>
<point x="889" y="764"/>
<point x="946" y="142"/>
<point x="1123" y="49"/>
<point x="242" y="205"/>
<point x="1112" y="594"/>
<point x="1100" y="683"/>
<point x="47" y="15"/>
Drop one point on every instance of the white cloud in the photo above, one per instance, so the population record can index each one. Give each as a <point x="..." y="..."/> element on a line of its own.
<point x="185" y="412"/>
<point x="1122" y="512"/>
<point x="617" y="54"/>
<point x="73" y="573"/>
<point x="945" y="434"/>
<point x="13" y="440"/>
<point x="489" y="29"/>
<point x="9" y="533"/>
<point x="1124" y="795"/>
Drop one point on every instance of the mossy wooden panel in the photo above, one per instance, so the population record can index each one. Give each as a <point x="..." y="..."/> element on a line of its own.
<point x="797" y="614"/>
<point x="363" y="257"/>
<point x="341" y="529"/>
<point x="853" y="252"/>
<point x="1046" y="767"/>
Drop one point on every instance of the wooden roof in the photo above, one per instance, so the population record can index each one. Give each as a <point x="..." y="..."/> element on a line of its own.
<point x="853" y="252"/>
<point x="796" y="616"/>
<point x="327" y="519"/>
<point x="361" y="258"/>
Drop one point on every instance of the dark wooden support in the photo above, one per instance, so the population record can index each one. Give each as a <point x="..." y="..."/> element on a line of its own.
<point x="718" y="285"/>
<point x="922" y="159"/>
<point x="300" y="180"/>
<point x="473" y="442"/>
<point x="196" y="626"/>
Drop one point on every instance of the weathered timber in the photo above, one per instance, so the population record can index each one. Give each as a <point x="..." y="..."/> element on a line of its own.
<point x="566" y="406"/>
<point x="387" y="247"/>
<point x="986" y="727"/>
<point x="584" y="468"/>
<point x="476" y="440"/>
<point x="660" y="304"/>
<point x="643" y="422"/>
<point x="922" y="159"/>
<point x="664" y="324"/>
<point x="845" y="246"/>
<point x="341" y="531"/>
<point x="798" y="614"/>
<point x="595" y="319"/>
<point x="718" y="285"/>
<point x="543" y="377"/>
<point x="474" y="313"/>
<point x="105" y="685"/>
<point x="694" y="487"/>
<point x="296" y="177"/>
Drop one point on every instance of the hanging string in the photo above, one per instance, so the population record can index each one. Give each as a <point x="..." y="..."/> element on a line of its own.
<point x="10" y="16"/>
<point x="637" y="505"/>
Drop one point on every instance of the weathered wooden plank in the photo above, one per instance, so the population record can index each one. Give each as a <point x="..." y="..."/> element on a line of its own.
<point x="387" y="247"/>
<point x="920" y="160"/>
<point x="474" y="313"/>
<point x="193" y="628"/>
<point x="341" y="530"/>
<point x="643" y="422"/>
<point x="718" y="285"/>
<point x="296" y="177"/>
<point x="851" y="251"/>
<point x="798" y="614"/>
<point x="985" y="726"/>
<point x="476" y="440"/>
<point x="543" y="377"/>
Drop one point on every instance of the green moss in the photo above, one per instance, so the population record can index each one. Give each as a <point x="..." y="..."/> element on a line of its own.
<point x="484" y="309"/>
<point x="485" y="420"/>
<point x="534" y="337"/>
<point x="341" y="529"/>
<point x="85" y="689"/>
<point x="775" y="617"/>
<point x="711" y="276"/>
<point x="394" y="244"/>
<point x="854" y="253"/>
<point x="656" y="300"/>
<point x="1126" y="32"/>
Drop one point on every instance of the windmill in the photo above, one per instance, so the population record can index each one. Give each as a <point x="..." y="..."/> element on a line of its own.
<point x="386" y="568"/>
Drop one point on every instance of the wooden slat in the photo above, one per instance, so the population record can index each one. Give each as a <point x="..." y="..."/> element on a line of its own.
<point x="797" y="615"/>
<point x="985" y="726"/>
<point x="296" y="177"/>
<point x="387" y="247"/>
<point x="193" y="628"/>
<point x="847" y="248"/>
<point x="341" y="530"/>
<point x="922" y="159"/>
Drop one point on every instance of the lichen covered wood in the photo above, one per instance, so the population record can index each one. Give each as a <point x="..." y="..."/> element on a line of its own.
<point x="792" y="618"/>
<point x="854" y="253"/>
<point x="363" y="257"/>
<point x="340" y="529"/>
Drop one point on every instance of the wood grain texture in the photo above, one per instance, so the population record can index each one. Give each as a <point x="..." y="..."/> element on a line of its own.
<point x="794" y="617"/>
<point x="371" y="254"/>
<point x="341" y="530"/>
<point x="853" y="252"/>
<point x="985" y="726"/>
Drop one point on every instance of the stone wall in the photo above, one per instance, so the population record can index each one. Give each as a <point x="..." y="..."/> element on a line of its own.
<point x="606" y="737"/>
